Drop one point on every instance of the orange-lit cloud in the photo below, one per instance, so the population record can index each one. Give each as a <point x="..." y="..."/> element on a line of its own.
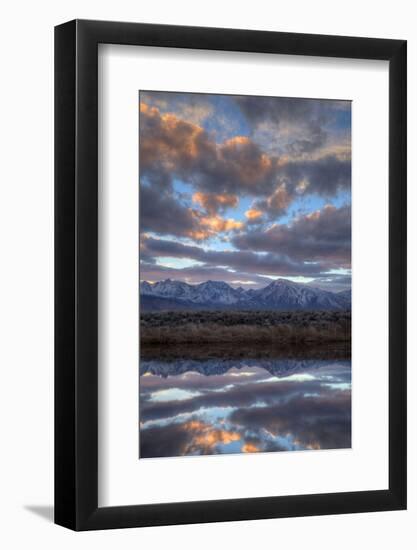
<point x="188" y="107"/>
<point x="250" y="448"/>
<point x="219" y="225"/>
<point x="205" y="437"/>
<point x="253" y="214"/>
<point x="280" y="199"/>
<point x="168" y="140"/>
<point x="171" y="145"/>
<point x="210" y="226"/>
<point x="147" y="109"/>
<point x="212" y="202"/>
<point x="195" y="425"/>
<point x="328" y="209"/>
<point x="237" y="140"/>
<point x="213" y="437"/>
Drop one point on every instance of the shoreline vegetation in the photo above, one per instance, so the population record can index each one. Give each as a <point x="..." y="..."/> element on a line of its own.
<point x="271" y="328"/>
<point x="245" y="351"/>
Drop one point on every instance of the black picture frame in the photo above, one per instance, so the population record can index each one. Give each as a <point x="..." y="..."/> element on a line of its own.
<point x="76" y="272"/>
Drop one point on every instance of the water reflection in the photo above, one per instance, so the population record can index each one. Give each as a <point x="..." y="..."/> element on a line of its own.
<point x="213" y="405"/>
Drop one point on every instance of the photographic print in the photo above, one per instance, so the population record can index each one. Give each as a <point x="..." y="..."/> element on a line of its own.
<point x="245" y="274"/>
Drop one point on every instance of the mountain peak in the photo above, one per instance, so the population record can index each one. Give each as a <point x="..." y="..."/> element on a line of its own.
<point x="280" y="294"/>
<point x="281" y="282"/>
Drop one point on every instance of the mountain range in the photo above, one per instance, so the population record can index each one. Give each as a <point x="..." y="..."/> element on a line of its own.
<point x="218" y="366"/>
<point x="280" y="294"/>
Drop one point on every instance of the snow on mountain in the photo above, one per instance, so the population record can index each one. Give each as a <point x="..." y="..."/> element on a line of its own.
<point x="284" y="294"/>
<point x="145" y="287"/>
<point x="346" y="296"/>
<point x="279" y="294"/>
<point x="210" y="292"/>
<point x="172" y="289"/>
<point x="216" y="292"/>
<point x="218" y="366"/>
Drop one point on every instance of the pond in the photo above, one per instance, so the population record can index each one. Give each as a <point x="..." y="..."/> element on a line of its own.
<point x="207" y="402"/>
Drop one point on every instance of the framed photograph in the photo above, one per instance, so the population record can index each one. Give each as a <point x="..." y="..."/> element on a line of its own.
<point x="230" y="253"/>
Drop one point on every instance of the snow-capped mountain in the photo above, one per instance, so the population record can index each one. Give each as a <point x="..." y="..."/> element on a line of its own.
<point x="280" y="294"/>
<point x="283" y="294"/>
<point x="171" y="289"/>
<point x="145" y="287"/>
<point x="217" y="366"/>
<point x="210" y="292"/>
<point x="216" y="292"/>
<point x="346" y="296"/>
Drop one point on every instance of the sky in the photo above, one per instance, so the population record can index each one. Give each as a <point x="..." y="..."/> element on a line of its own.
<point x="245" y="189"/>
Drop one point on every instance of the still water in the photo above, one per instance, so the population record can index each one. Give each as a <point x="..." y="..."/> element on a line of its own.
<point x="215" y="405"/>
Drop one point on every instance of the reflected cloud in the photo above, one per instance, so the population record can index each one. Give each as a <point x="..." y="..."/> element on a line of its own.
<point x="250" y="448"/>
<point x="174" y="394"/>
<point x="200" y="407"/>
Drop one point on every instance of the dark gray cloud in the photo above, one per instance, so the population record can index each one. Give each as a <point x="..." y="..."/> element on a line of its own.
<point x="323" y="236"/>
<point x="163" y="441"/>
<point x="326" y="176"/>
<point x="333" y="283"/>
<point x="242" y="260"/>
<point x="328" y="426"/>
<point x="214" y="204"/>
<point x="299" y="125"/>
<point x="259" y="109"/>
<point x="198" y="274"/>
<point x="194" y="108"/>
<point x="161" y="212"/>
<point x="242" y="397"/>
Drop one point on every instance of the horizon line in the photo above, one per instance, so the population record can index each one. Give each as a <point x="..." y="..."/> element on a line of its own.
<point x="242" y="284"/>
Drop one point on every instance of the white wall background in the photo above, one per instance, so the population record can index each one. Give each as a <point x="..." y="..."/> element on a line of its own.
<point x="26" y="288"/>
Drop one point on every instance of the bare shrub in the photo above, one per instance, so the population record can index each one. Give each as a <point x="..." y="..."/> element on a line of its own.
<point x="244" y="327"/>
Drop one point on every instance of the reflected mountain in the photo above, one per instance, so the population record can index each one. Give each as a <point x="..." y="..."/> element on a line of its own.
<point x="210" y="367"/>
<point x="218" y="405"/>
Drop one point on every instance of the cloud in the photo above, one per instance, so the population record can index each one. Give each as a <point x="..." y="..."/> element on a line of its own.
<point x="321" y="236"/>
<point x="269" y="391"/>
<point x="214" y="203"/>
<point x="282" y="110"/>
<point x="280" y="199"/>
<point x="326" y="176"/>
<point x="162" y="213"/>
<point x="163" y="441"/>
<point x="169" y="143"/>
<point x="328" y="414"/>
<point x="294" y="126"/>
<point x="150" y="271"/>
<point x="205" y="438"/>
<point x="171" y="147"/>
<point x="312" y="245"/>
<point x="190" y="185"/>
<point x="260" y="412"/>
<point x="246" y="261"/>
<point x="188" y="438"/>
<point x="333" y="282"/>
<point x="194" y="108"/>
<point x="250" y="448"/>
<point x="253" y="214"/>
<point x="276" y="204"/>
<point x="211" y="225"/>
